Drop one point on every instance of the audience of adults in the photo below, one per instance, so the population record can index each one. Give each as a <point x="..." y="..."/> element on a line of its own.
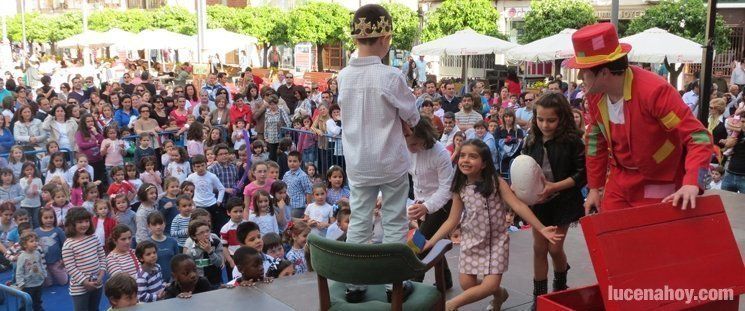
<point x="61" y="127"/>
<point x="220" y="115"/>
<point x="125" y="113"/>
<point x="27" y="129"/>
<point x="6" y="137"/>
<point x="88" y="138"/>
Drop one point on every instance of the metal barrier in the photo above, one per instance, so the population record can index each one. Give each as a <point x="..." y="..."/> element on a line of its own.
<point x="14" y="299"/>
<point x="34" y="156"/>
<point x="323" y="158"/>
<point x="180" y="141"/>
<point x="163" y="134"/>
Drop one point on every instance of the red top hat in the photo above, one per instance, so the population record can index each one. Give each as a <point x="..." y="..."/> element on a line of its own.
<point x="596" y="45"/>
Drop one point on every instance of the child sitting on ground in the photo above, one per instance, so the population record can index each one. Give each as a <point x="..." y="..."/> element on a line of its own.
<point x="121" y="290"/>
<point x="186" y="280"/>
<point x="249" y="263"/>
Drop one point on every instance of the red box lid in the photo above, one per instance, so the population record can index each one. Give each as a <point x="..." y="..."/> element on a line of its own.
<point x="661" y="247"/>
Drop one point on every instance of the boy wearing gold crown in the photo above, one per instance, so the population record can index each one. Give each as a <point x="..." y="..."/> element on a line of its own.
<point x="656" y="148"/>
<point x="377" y="108"/>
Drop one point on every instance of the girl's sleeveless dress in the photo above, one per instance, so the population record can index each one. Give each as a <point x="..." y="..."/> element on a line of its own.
<point x="484" y="247"/>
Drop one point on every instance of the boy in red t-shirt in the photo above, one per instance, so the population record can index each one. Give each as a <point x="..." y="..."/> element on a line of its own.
<point x="228" y="234"/>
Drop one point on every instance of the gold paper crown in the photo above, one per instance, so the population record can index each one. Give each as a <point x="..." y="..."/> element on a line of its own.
<point x="363" y="29"/>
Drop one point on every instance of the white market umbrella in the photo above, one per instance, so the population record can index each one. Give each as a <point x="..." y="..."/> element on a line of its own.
<point x="654" y="44"/>
<point x="558" y="46"/>
<point x="160" y="39"/>
<point x="88" y="38"/>
<point x="464" y="42"/>
<point x="223" y="41"/>
<point x="120" y="37"/>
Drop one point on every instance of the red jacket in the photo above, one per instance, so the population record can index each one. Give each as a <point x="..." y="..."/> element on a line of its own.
<point x="244" y="113"/>
<point x="664" y="136"/>
<point x="108" y="225"/>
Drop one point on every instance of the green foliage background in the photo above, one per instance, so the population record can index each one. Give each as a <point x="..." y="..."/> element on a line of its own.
<point x="686" y="18"/>
<point x="455" y="15"/>
<point x="549" y="17"/>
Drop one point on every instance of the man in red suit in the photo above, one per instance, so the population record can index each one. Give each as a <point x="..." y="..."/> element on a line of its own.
<point x="643" y="143"/>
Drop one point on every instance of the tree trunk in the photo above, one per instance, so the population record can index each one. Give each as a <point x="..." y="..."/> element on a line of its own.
<point x="265" y="58"/>
<point x="674" y="73"/>
<point x="319" y="47"/>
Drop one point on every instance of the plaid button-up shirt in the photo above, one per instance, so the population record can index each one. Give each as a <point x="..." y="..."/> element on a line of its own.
<point x="227" y="174"/>
<point x="298" y="185"/>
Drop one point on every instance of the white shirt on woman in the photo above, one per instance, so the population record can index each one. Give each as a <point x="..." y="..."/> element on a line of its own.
<point x="432" y="174"/>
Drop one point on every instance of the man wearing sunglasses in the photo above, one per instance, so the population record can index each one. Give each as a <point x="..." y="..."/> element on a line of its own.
<point x="524" y="114"/>
<point x="127" y="85"/>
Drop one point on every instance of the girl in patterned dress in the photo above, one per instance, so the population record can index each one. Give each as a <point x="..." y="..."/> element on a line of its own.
<point x="481" y="196"/>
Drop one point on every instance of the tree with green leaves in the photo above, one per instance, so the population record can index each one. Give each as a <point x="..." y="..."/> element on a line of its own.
<point x="549" y="17"/>
<point x="267" y="24"/>
<point x="133" y="20"/>
<point x="685" y="18"/>
<point x="175" y="19"/>
<point x="456" y="15"/>
<point x="405" y="25"/>
<point x="220" y="16"/>
<point x="320" y="23"/>
<point x="45" y="28"/>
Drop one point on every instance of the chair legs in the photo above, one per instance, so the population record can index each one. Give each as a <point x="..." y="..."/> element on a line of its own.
<point x="323" y="293"/>
<point x="440" y="283"/>
<point x="397" y="299"/>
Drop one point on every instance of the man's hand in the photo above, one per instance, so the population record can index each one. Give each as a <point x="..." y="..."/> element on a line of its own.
<point x="416" y="211"/>
<point x="407" y="129"/>
<point x="592" y="200"/>
<point x="687" y="193"/>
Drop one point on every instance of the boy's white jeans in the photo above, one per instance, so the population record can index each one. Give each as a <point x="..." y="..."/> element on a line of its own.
<point x="393" y="211"/>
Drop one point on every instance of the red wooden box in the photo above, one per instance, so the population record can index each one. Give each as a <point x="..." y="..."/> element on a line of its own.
<point x="658" y="247"/>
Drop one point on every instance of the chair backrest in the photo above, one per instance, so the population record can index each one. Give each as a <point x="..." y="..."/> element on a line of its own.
<point x="363" y="263"/>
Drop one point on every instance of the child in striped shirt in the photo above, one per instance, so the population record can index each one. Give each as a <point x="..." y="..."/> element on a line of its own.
<point x="149" y="279"/>
<point x="180" y="224"/>
<point x="84" y="260"/>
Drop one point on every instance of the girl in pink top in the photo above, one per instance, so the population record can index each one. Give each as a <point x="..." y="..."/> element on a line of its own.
<point x="258" y="170"/>
<point x="112" y="149"/>
<point x="195" y="139"/>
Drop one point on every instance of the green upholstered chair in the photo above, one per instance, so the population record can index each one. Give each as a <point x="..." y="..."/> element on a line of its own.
<point x="376" y="265"/>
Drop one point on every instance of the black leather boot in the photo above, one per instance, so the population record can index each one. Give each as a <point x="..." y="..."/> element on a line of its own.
<point x="539" y="288"/>
<point x="560" y="280"/>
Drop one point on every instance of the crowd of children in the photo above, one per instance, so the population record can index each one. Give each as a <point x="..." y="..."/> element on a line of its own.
<point x="164" y="227"/>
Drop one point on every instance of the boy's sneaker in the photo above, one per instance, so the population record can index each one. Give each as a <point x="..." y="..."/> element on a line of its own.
<point x="407" y="287"/>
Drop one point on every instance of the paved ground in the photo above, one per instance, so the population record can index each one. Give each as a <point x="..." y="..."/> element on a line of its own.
<point x="300" y="293"/>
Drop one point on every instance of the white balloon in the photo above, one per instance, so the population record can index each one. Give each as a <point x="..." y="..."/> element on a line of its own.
<point x="527" y="179"/>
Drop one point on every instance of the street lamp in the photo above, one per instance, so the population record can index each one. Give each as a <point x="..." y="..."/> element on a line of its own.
<point x="420" y="12"/>
<point x="23" y="25"/>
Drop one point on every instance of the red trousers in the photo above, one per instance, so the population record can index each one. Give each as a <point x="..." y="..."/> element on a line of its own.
<point x="628" y="188"/>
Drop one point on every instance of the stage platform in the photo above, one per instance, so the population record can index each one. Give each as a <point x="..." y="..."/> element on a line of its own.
<point x="300" y="292"/>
